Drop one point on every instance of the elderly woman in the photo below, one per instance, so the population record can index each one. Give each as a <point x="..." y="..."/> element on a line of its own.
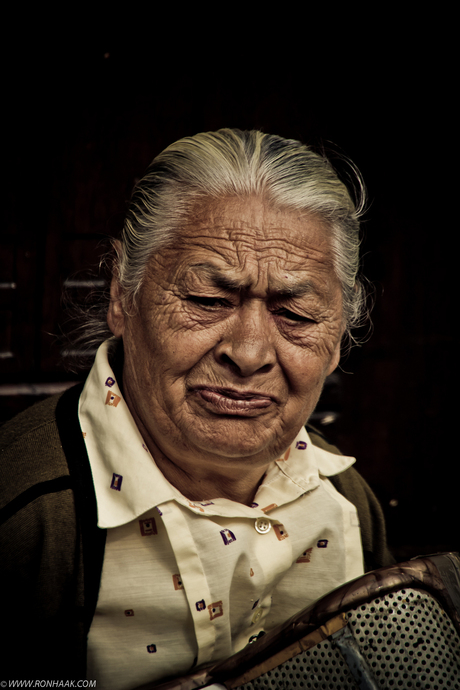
<point x="176" y="505"/>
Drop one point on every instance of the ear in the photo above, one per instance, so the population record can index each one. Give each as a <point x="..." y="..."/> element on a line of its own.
<point x="334" y="363"/>
<point x="115" y="313"/>
<point x="335" y="359"/>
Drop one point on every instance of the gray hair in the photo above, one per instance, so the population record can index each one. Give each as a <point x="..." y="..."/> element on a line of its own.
<point x="212" y="165"/>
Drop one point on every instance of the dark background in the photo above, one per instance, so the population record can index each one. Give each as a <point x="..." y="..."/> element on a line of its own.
<point x="85" y="116"/>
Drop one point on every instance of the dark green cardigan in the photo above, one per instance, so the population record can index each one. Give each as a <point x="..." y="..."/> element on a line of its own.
<point x="51" y="550"/>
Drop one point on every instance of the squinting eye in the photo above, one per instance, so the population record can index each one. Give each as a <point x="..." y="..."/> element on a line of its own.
<point x="292" y="316"/>
<point x="209" y="302"/>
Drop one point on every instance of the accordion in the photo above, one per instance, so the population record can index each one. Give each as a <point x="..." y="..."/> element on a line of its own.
<point x="396" y="627"/>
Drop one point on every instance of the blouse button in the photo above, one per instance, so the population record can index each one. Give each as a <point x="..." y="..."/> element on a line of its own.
<point x="263" y="525"/>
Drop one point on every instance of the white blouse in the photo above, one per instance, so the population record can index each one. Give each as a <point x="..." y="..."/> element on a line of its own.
<point x="187" y="583"/>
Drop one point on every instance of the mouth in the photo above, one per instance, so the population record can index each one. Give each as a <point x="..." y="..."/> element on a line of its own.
<point x="233" y="401"/>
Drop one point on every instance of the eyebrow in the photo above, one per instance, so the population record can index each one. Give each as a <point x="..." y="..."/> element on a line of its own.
<point x="226" y="282"/>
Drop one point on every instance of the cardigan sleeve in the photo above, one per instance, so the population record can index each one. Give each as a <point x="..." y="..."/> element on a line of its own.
<point x="40" y="547"/>
<point x="372" y="522"/>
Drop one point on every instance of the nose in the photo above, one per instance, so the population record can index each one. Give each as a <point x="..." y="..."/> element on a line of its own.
<point x="247" y="346"/>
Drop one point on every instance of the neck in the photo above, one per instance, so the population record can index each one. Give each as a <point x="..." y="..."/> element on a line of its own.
<point x="207" y="484"/>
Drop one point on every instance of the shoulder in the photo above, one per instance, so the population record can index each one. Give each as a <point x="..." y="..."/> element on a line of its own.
<point x="349" y="482"/>
<point x="28" y="421"/>
<point x="354" y="487"/>
<point x="36" y="483"/>
<point x="31" y="449"/>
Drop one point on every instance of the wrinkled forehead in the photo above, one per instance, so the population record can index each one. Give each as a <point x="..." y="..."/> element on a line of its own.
<point x="245" y="237"/>
<point x="255" y="220"/>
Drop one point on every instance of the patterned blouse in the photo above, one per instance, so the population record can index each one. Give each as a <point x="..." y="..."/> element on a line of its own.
<point x="187" y="583"/>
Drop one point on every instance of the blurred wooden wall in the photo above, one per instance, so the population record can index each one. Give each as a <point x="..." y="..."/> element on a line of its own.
<point x="87" y="121"/>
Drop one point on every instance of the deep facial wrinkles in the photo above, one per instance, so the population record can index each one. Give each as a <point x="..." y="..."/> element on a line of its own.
<point x="199" y="350"/>
<point x="238" y="259"/>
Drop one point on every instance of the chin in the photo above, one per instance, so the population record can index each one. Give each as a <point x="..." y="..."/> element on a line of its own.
<point x="245" y="449"/>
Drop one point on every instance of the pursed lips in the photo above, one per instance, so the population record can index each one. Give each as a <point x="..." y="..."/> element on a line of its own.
<point x="232" y="400"/>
